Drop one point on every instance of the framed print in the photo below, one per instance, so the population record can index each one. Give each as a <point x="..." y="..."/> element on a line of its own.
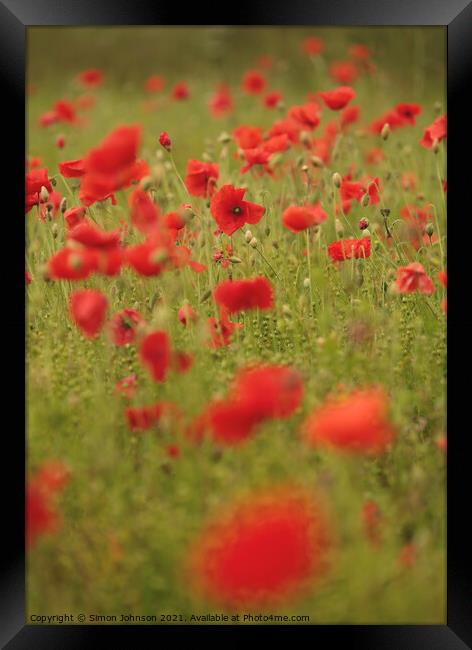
<point x="236" y="315"/>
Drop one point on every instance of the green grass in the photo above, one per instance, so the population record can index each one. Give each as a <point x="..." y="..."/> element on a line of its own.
<point x="124" y="491"/>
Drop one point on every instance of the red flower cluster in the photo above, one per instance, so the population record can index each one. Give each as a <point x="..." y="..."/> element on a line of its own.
<point x="413" y="278"/>
<point x="88" y="310"/>
<point x="239" y="295"/>
<point x="346" y="249"/>
<point x="41" y="491"/>
<point x="299" y="218"/>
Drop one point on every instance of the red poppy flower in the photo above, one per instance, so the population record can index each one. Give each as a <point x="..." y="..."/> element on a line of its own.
<point x="338" y="98"/>
<point x="91" y="78"/>
<point x="165" y="141"/>
<point x="65" y="111"/>
<point x="346" y="249"/>
<point x="222" y="330"/>
<point x="272" y="98"/>
<point x="36" y="179"/>
<point x="298" y="218"/>
<point x="270" y="391"/>
<point x="60" y="141"/>
<point x="408" y="112"/>
<point x="48" y="118"/>
<point x="186" y="314"/>
<point x="144" y="212"/>
<point x="52" y="476"/>
<point x="344" y="72"/>
<point x="277" y="143"/>
<point x="238" y="295"/>
<point x="201" y="178"/>
<point x="180" y="91"/>
<point x="91" y="236"/>
<point x="248" y="137"/>
<point x="181" y="361"/>
<point x="360" y="52"/>
<point x="230" y="422"/>
<point x="72" y="168"/>
<point x="263" y="550"/>
<point x="122" y="326"/>
<point x="289" y="127"/>
<point x="306" y="115"/>
<point x="41" y="515"/>
<point x="435" y="131"/>
<point x="256" y="157"/>
<point x="72" y="264"/>
<point x="231" y="212"/>
<point x="356" y="190"/>
<point x="154" y="353"/>
<point x="357" y="423"/>
<point x="392" y="118"/>
<point x="126" y="386"/>
<point x="146" y="417"/>
<point x="153" y="256"/>
<point x="221" y="102"/>
<point x="350" y="115"/>
<point x="413" y="278"/>
<point x="88" y="310"/>
<point x="174" y="220"/>
<point x="253" y="82"/>
<point x="154" y="84"/>
<point x="313" y="46"/>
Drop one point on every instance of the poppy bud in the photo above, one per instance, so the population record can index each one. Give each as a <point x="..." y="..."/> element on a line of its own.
<point x="305" y="137"/>
<point x="337" y="180"/>
<point x="63" y="204"/>
<point x="436" y="146"/>
<point x="253" y="242"/>
<point x="146" y="183"/>
<point x="267" y="231"/>
<point x="54" y="230"/>
<point x="363" y="224"/>
<point x="339" y="228"/>
<point x="365" y="200"/>
<point x="306" y="283"/>
<point x="304" y="168"/>
<point x="281" y="106"/>
<point x="165" y="141"/>
<point x="235" y="260"/>
<point x="366" y="233"/>
<point x="429" y="229"/>
<point x="206" y="157"/>
<point x="299" y="161"/>
<point x="438" y="108"/>
<point x="317" y="162"/>
<point x="60" y="141"/>
<point x="385" y="132"/>
<point x="248" y="236"/>
<point x="286" y="310"/>
<point x="206" y="295"/>
<point x="224" y="138"/>
<point x="44" y="194"/>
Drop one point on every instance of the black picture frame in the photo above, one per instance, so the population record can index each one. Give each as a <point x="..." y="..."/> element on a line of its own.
<point x="15" y="17"/>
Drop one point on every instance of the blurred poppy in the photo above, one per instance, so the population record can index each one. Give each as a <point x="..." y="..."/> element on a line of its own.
<point x="346" y="249"/>
<point x="201" y="178"/>
<point x="88" y="309"/>
<point x="239" y="295"/>
<point x="154" y="354"/>
<point x="413" y="278"/>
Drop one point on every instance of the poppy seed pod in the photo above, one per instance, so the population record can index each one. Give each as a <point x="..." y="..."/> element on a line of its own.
<point x="436" y="146"/>
<point x="305" y="137"/>
<point x="317" y="162"/>
<point x="304" y="168"/>
<point x="224" y="138"/>
<point x="253" y="242"/>
<point x="385" y="132"/>
<point x="306" y="283"/>
<point x="365" y="200"/>
<point x="44" y="194"/>
<point x="63" y="204"/>
<point x="248" y="236"/>
<point x="337" y="180"/>
<point x="429" y="229"/>
<point x="339" y="227"/>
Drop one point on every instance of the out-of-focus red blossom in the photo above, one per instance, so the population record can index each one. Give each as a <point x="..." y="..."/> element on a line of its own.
<point x="256" y="157"/>
<point x="155" y="354"/>
<point x="231" y="212"/>
<point x="41" y="490"/>
<point x="60" y="141"/>
<point x="408" y="180"/>
<point x="72" y="264"/>
<point x="65" y="111"/>
<point x="201" y="178"/>
<point x="144" y="212"/>
<point x="88" y="310"/>
<point x="408" y="112"/>
<point x="350" y="115"/>
<point x="112" y="165"/>
<point x="375" y="156"/>
<point x="126" y="387"/>
<point x="239" y="295"/>
<point x="313" y="46"/>
<point x="435" y="131"/>
<point x="173" y="451"/>
<point x="371" y="518"/>
<point x="307" y="115"/>
<point x="221" y="330"/>
<point x="165" y="141"/>
<point x="265" y="61"/>
<point x="145" y="417"/>
<point x="36" y="179"/>
<point x="173" y="220"/>
<point x="72" y="168"/>
<point x="392" y="118"/>
<point x="253" y="82"/>
<point x="74" y="216"/>
<point x="180" y="91"/>
<point x="288" y="127"/>
<point x="91" y="78"/>
<point x="248" y="137"/>
<point x="355" y="423"/>
<point x="122" y="326"/>
<point x="221" y="102"/>
<point x="34" y="162"/>
<point x="344" y="72"/>
<point x="441" y="443"/>
<point x="338" y="98"/>
<point x="154" y="84"/>
<point x="346" y="249"/>
<point x="262" y="550"/>
<point x="407" y="556"/>
<point x="416" y="217"/>
<point x="356" y="190"/>
<point x="28" y="278"/>
<point x="84" y="102"/>
<point x="186" y="314"/>
<point x="413" y="278"/>
<point x="181" y="361"/>
<point x="360" y="52"/>
<point x="91" y="236"/>
<point x="50" y="206"/>
<point x="272" y="98"/>
<point x="298" y="218"/>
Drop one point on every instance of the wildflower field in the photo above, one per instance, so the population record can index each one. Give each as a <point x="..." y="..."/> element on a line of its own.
<point x="235" y="329"/>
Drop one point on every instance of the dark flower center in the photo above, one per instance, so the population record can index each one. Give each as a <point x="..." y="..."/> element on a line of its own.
<point x="237" y="210"/>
